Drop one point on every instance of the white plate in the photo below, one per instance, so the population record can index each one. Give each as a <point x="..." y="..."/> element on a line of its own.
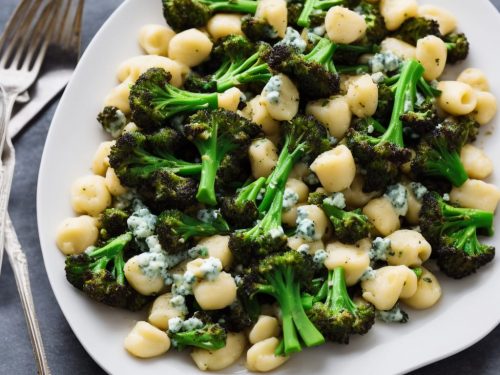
<point x="387" y="349"/>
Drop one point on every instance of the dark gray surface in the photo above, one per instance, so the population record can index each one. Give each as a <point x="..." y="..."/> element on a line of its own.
<point x="64" y="352"/>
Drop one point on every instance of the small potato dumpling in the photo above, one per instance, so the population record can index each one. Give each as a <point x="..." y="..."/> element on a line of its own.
<point x="89" y="195"/>
<point x="162" y="310"/>
<point x="263" y="156"/>
<point x="100" y="162"/>
<point x="344" y="25"/>
<point x="144" y="284"/>
<point x="354" y="259"/>
<point x="335" y="169"/>
<point x="476" y="194"/>
<point x="414" y="207"/>
<point x="476" y="163"/>
<point x="428" y="292"/>
<point x="457" y="98"/>
<point x="218" y="247"/>
<point x="75" y="234"/>
<point x="281" y="98"/>
<point x="299" y="171"/>
<point x="275" y="13"/>
<point x="362" y="96"/>
<point x="223" y="24"/>
<point x="261" y="357"/>
<point x="289" y="216"/>
<point x="154" y="39"/>
<point x="408" y="248"/>
<point x="382" y="215"/>
<point x="265" y="327"/>
<point x="389" y="284"/>
<point x="486" y="107"/>
<point x="333" y="113"/>
<point x="118" y="97"/>
<point x="213" y="360"/>
<point x="146" y="341"/>
<point x="195" y="267"/>
<point x="215" y="294"/>
<point x="318" y="217"/>
<point x="190" y="47"/>
<point x="294" y="243"/>
<point x="113" y="183"/>
<point x="130" y="127"/>
<point x="132" y="68"/>
<point x="475" y="78"/>
<point x="354" y="195"/>
<point x="447" y="21"/>
<point x="395" y="12"/>
<point x="399" y="48"/>
<point x="298" y="187"/>
<point x="432" y="53"/>
<point x="229" y="99"/>
<point x="257" y="112"/>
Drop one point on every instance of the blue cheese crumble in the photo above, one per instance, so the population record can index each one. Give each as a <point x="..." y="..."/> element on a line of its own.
<point x="384" y="62"/>
<point x="369" y="274"/>
<point x="272" y="90"/>
<point x="198" y="251"/>
<point x="115" y="127"/>
<point x="178" y="302"/>
<point x="306" y="229"/>
<point x="398" y="196"/>
<point x="320" y="256"/>
<point x="303" y="249"/>
<point x="208" y="215"/>
<point x="175" y="324"/>
<point x="142" y="222"/>
<point x="446" y="197"/>
<point x="418" y="190"/>
<point x="191" y="324"/>
<point x="336" y="200"/>
<point x="394" y="315"/>
<point x="379" y="249"/>
<point x="277" y="232"/>
<point x="210" y="268"/>
<point x="290" y="199"/>
<point x="293" y="40"/>
<point x="183" y="284"/>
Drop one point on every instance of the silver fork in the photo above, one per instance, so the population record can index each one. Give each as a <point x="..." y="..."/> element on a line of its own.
<point x="22" y="49"/>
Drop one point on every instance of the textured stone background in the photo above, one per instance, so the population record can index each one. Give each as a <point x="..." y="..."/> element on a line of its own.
<point x="65" y="354"/>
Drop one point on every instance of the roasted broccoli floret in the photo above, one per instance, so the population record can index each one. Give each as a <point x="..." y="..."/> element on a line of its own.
<point x="382" y="156"/>
<point x="282" y="276"/>
<point x="312" y="6"/>
<point x="136" y="157"/>
<point x="112" y="222"/>
<point x="209" y="336"/>
<point x="348" y="226"/>
<point x="241" y="210"/>
<point x="339" y="317"/>
<point x="112" y="120"/>
<point x="375" y="24"/>
<point x="258" y="30"/>
<point x="452" y="232"/>
<point x="187" y="14"/>
<point x="438" y="154"/>
<point x="458" y="47"/>
<point x="422" y="120"/>
<point x="414" y="29"/>
<point x="99" y="274"/>
<point x="176" y="230"/>
<point x="216" y="134"/>
<point x="153" y="100"/>
<point x="314" y="73"/>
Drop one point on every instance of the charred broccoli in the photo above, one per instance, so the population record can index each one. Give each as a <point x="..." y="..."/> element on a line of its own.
<point x="312" y="6"/>
<point x="414" y="29"/>
<point x="196" y="333"/>
<point x="458" y="47"/>
<point x="112" y="120"/>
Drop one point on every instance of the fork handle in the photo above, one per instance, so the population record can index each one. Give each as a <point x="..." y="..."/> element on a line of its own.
<point x="19" y="265"/>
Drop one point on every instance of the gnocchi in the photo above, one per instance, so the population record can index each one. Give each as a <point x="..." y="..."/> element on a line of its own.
<point x="334" y="113"/>
<point x="476" y="194"/>
<point x="261" y="357"/>
<point x="154" y="39"/>
<point x="475" y="78"/>
<point x="146" y="341"/>
<point x="457" y="98"/>
<point x="408" y="248"/>
<point x="335" y="169"/>
<point x="75" y="234"/>
<point x="265" y="327"/>
<point x="281" y="98"/>
<point x="362" y="96"/>
<point x="353" y="258"/>
<point x="344" y="25"/>
<point x="162" y="311"/>
<point x="476" y="163"/>
<point x="395" y="12"/>
<point x="190" y="47"/>
<point x="212" y="360"/>
<point x="215" y="294"/>
<point x="431" y="52"/>
<point x="218" y="247"/>
<point x="263" y="157"/>
<point x="382" y="215"/>
<point x="428" y="292"/>
<point x="89" y="195"/>
<point x="224" y="24"/>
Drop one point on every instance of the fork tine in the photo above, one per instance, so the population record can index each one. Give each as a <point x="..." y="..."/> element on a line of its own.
<point x="70" y="25"/>
<point x="10" y="28"/>
<point x="18" y="39"/>
<point x="42" y="33"/>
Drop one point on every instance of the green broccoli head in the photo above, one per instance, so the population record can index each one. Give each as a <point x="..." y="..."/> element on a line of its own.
<point x="257" y="30"/>
<point x="233" y="47"/>
<point x="414" y="29"/>
<point x="112" y="120"/>
<point x="348" y="226"/>
<point x="199" y="334"/>
<point x="422" y="120"/>
<point x="176" y="230"/>
<point x="458" y="47"/>
<point x="375" y="24"/>
<point x="113" y="222"/>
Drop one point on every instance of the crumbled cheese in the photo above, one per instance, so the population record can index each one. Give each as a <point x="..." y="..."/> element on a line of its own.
<point x="336" y="200"/>
<point x="394" y="315"/>
<point x="378" y="77"/>
<point x="290" y="199"/>
<point x="418" y="190"/>
<point x="142" y="222"/>
<point x="370" y="129"/>
<point x="332" y="140"/>
<point x="191" y="324"/>
<point x="379" y="249"/>
<point x="319" y="30"/>
<point x="277" y="232"/>
<point x="319" y="256"/>
<point x="306" y="229"/>
<point x="303" y="249"/>
<point x="178" y="302"/>
<point x="209" y="269"/>
<point x="183" y="284"/>
<point x="293" y="40"/>
<point x="207" y="215"/>
<point x="272" y="89"/>
<point x="398" y="195"/>
<point x="446" y="197"/>
<point x="115" y="127"/>
<point x="384" y="62"/>
<point x="369" y="274"/>
<point x="198" y="251"/>
<point x="175" y="324"/>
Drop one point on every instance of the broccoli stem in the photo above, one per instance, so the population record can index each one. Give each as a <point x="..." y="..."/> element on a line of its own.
<point x="250" y="70"/>
<point x="404" y="100"/>
<point x="239" y="6"/>
<point x="466" y="240"/>
<point x="353" y="69"/>
<point x="322" y="53"/>
<point x="446" y="163"/>
<point x="337" y="298"/>
<point x="113" y="250"/>
<point x="171" y="100"/>
<point x="311" y="5"/>
<point x="459" y="217"/>
<point x="149" y="164"/>
<point x="251" y="191"/>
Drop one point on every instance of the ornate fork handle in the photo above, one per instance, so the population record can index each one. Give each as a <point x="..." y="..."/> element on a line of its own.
<point x="19" y="265"/>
